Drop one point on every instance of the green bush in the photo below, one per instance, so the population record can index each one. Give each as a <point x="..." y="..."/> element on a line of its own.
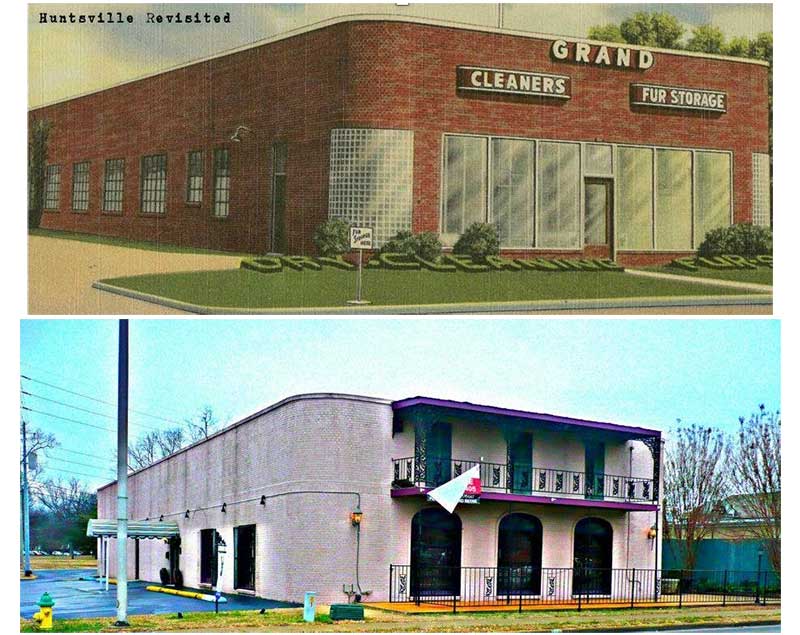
<point x="426" y="245"/>
<point x="479" y="240"/>
<point x="332" y="238"/>
<point x="739" y="240"/>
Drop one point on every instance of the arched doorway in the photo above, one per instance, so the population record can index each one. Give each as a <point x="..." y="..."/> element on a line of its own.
<point x="519" y="555"/>
<point x="592" y="557"/>
<point x="435" y="553"/>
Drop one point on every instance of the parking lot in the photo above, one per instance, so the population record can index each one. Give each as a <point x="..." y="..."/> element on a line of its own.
<point x="77" y="597"/>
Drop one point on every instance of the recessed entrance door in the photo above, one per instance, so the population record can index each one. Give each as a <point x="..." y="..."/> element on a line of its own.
<point x="520" y="462"/>
<point x="519" y="555"/>
<point x="244" y="563"/>
<point x="591" y="573"/>
<point x="438" y="454"/>
<point x="435" y="553"/>
<point x="598" y="226"/>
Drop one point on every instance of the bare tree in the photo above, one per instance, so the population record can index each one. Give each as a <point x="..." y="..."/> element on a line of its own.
<point x="204" y="424"/>
<point x="695" y="483"/>
<point x="65" y="499"/>
<point x="37" y="443"/>
<point x="152" y="446"/>
<point x="755" y="461"/>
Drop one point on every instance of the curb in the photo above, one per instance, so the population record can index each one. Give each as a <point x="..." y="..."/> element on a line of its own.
<point x="688" y="627"/>
<point x="764" y="299"/>
<point x="186" y="594"/>
<point x="714" y="282"/>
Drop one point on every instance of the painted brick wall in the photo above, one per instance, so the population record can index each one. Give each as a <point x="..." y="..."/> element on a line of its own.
<point x="366" y="74"/>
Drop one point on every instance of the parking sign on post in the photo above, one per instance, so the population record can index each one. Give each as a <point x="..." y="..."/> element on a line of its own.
<point x="361" y="239"/>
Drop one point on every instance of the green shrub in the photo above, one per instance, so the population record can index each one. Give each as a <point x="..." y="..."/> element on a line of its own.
<point x="426" y="245"/>
<point x="332" y="238"/>
<point x="479" y="240"/>
<point x="740" y="240"/>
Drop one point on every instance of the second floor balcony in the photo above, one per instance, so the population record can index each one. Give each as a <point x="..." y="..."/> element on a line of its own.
<point x="525" y="483"/>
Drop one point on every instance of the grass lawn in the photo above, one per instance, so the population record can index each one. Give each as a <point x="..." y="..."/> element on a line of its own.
<point x="62" y="562"/>
<point x="380" y="621"/>
<point x="762" y="275"/>
<point x="131" y="244"/>
<point x="332" y="288"/>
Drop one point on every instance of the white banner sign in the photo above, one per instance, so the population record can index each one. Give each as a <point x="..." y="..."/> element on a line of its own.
<point x="360" y="238"/>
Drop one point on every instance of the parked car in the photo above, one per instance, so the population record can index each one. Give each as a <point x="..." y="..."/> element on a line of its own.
<point x="76" y="553"/>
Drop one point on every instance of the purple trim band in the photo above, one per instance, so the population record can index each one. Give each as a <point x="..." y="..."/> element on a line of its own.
<point x="508" y="412"/>
<point x="541" y="500"/>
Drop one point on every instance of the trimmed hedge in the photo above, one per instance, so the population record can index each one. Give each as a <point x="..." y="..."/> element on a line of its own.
<point x="728" y="261"/>
<point x="479" y="240"/>
<point x="426" y="245"/>
<point x="741" y="239"/>
<point x="332" y="238"/>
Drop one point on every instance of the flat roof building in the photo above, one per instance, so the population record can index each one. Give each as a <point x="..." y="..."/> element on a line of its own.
<point x="569" y="146"/>
<point x="327" y="493"/>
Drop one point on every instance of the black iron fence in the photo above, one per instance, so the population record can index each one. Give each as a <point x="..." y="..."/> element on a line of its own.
<point x="463" y="587"/>
<point x="523" y="479"/>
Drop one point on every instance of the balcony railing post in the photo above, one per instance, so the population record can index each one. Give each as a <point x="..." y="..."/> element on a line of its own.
<point x="680" y="590"/>
<point x="724" y="587"/>
<point x="633" y="585"/>
<point x="391" y="586"/>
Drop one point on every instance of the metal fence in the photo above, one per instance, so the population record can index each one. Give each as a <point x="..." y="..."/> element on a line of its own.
<point x="523" y="479"/>
<point x="462" y="587"/>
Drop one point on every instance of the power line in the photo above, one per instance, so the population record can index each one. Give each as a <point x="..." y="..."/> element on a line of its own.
<point x="83" y="423"/>
<point x="92" y="456"/>
<point x="94" y="476"/>
<point x="94" y="467"/>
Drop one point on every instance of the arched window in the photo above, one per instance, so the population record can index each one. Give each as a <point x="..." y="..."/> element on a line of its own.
<point x="592" y="557"/>
<point x="435" y="553"/>
<point x="519" y="555"/>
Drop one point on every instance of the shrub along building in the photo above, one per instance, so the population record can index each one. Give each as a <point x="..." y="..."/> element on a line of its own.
<point x="570" y="147"/>
<point x="327" y="493"/>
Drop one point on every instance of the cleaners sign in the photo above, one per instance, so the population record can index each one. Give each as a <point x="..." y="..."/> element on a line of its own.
<point x="495" y="80"/>
<point x="675" y="97"/>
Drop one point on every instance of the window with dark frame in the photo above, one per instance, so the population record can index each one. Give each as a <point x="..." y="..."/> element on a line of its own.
<point x="52" y="186"/>
<point x="222" y="182"/>
<point x="208" y="552"/>
<point x="194" y="177"/>
<point x="154" y="184"/>
<point x="244" y="557"/>
<point x="113" y="185"/>
<point x="80" y="186"/>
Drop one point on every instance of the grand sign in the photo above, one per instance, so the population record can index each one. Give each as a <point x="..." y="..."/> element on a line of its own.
<point x="601" y="55"/>
<point x="495" y="80"/>
<point x="677" y="97"/>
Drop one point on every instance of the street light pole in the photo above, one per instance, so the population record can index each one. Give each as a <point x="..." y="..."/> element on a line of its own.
<point x="26" y="518"/>
<point x="122" y="477"/>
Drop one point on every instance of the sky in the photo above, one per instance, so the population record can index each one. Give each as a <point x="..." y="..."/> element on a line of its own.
<point x="66" y="60"/>
<point x="638" y="372"/>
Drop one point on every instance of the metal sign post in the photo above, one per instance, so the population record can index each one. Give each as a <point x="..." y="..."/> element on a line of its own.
<point x="361" y="239"/>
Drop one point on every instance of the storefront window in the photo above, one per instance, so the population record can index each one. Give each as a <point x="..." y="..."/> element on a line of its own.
<point x="465" y="183"/>
<point x="558" y="224"/>
<point x="634" y="225"/>
<point x="713" y="191"/>
<point x="371" y="179"/>
<point x="598" y="160"/>
<point x="673" y="200"/>
<point x="512" y="191"/>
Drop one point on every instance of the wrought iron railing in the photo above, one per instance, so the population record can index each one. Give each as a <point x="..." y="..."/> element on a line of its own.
<point x="523" y="479"/>
<point x="525" y="585"/>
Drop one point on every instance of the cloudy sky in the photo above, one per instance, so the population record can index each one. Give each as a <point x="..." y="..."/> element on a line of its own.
<point x="639" y="372"/>
<point x="65" y="60"/>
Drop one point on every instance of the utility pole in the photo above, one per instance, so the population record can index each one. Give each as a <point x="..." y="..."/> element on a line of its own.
<point x="26" y="518"/>
<point x="122" y="477"/>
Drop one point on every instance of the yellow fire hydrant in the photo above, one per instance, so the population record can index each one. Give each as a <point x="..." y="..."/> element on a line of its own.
<point x="44" y="618"/>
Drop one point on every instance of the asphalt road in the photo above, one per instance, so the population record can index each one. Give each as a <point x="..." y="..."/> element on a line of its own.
<point x="74" y="597"/>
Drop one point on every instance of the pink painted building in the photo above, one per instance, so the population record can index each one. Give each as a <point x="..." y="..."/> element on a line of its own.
<point x="568" y="506"/>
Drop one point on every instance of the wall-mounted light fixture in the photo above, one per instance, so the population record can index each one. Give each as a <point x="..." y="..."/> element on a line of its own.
<point x="356" y="515"/>
<point x="263" y="500"/>
<point x="652" y="533"/>
<point x="237" y="135"/>
<point x="224" y="508"/>
<point x="187" y="514"/>
<point x="161" y="518"/>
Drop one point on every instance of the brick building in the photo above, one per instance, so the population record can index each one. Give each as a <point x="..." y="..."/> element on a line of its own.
<point x="280" y="488"/>
<point x="570" y="147"/>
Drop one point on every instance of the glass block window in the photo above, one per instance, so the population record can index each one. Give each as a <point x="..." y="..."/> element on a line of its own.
<point x="713" y="193"/>
<point x="762" y="204"/>
<point x="559" y="214"/>
<point x="80" y="186"/>
<point x="465" y="171"/>
<point x="512" y="191"/>
<point x="222" y="182"/>
<point x="598" y="160"/>
<point x="634" y="226"/>
<point x="154" y="184"/>
<point x="371" y="179"/>
<point x="673" y="200"/>
<point x="194" y="177"/>
<point x="52" y="186"/>
<point x="113" y="182"/>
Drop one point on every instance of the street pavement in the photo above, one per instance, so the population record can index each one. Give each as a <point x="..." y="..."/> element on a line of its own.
<point x="74" y="597"/>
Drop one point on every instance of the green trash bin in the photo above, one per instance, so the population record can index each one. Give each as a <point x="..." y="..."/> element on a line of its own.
<point x="347" y="612"/>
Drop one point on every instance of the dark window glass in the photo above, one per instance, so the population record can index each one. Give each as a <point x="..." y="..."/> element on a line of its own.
<point x="519" y="555"/>
<point x="593" y="557"/>
<point x="222" y="183"/>
<point x="194" y="177"/>
<point x="208" y="556"/>
<point x="154" y="184"/>
<point x="113" y="185"/>
<point x="80" y="186"/>
<point x="244" y="563"/>
<point x="435" y="553"/>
